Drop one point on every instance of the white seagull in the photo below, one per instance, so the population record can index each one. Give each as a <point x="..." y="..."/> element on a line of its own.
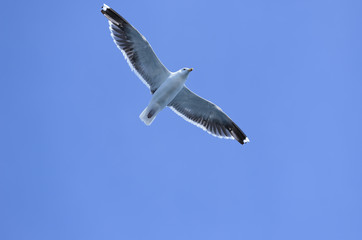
<point x="167" y="88"/>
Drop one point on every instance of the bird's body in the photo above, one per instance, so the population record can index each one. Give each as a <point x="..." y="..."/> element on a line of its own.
<point x="168" y="88"/>
<point x="164" y="95"/>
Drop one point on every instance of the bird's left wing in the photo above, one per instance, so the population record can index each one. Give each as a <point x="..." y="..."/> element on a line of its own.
<point x="206" y="115"/>
<point x="136" y="50"/>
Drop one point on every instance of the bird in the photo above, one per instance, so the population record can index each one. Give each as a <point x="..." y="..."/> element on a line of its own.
<point x="168" y="88"/>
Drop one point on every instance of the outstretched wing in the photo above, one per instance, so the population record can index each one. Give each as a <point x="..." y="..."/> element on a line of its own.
<point x="206" y="115"/>
<point x="136" y="50"/>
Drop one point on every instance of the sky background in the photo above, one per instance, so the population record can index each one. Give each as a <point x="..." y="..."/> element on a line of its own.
<point x="76" y="162"/>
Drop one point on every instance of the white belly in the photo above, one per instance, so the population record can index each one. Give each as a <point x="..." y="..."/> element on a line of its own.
<point x="167" y="92"/>
<point x="162" y="97"/>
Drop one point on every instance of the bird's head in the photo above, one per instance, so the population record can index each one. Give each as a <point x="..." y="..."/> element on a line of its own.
<point x="186" y="71"/>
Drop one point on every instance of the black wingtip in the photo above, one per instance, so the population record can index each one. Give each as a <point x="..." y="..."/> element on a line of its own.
<point x="112" y="15"/>
<point x="104" y="8"/>
<point x="238" y="134"/>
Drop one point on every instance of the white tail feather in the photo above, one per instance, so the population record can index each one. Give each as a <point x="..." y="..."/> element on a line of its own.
<point x="144" y="116"/>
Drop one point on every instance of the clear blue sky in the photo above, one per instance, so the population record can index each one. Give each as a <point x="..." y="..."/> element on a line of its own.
<point x="77" y="163"/>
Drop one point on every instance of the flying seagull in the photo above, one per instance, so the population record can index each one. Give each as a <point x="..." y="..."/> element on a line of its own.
<point x="167" y="88"/>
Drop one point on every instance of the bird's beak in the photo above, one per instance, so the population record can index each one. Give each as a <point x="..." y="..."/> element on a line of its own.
<point x="190" y="69"/>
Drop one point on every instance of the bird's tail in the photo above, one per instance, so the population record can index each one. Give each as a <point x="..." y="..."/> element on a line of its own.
<point x="148" y="115"/>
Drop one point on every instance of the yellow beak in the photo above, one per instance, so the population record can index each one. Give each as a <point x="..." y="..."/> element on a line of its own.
<point x="190" y="70"/>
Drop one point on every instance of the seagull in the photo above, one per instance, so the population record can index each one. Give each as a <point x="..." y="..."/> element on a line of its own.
<point x="167" y="88"/>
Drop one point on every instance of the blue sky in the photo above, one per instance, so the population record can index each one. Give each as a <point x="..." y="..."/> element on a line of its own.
<point x="77" y="163"/>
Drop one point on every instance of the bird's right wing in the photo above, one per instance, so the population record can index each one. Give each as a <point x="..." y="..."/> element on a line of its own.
<point x="206" y="115"/>
<point x="136" y="50"/>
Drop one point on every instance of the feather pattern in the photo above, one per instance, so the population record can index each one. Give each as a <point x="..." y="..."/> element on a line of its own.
<point x="137" y="51"/>
<point x="206" y="115"/>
